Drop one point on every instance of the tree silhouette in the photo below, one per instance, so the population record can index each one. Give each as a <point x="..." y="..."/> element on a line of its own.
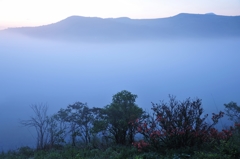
<point x="117" y="117"/>
<point x="40" y="122"/>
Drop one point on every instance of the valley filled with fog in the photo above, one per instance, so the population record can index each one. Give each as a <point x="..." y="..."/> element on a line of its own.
<point x="35" y="71"/>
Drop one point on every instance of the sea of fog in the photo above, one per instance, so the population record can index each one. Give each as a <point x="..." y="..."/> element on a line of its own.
<point x="58" y="74"/>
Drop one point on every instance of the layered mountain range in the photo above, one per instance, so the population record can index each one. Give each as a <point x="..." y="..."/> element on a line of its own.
<point x="115" y="29"/>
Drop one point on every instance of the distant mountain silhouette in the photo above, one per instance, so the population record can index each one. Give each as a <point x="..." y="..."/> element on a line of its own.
<point x="113" y="29"/>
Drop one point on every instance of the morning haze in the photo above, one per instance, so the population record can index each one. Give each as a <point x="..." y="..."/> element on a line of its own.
<point x="91" y="59"/>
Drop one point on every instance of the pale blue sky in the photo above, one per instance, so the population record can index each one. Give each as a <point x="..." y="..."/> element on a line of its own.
<point x="39" y="12"/>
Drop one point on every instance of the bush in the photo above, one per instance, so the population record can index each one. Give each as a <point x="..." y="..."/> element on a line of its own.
<point x="176" y="125"/>
<point x="230" y="147"/>
<point x="26" y="152"/>
<point x="210" y="155"/>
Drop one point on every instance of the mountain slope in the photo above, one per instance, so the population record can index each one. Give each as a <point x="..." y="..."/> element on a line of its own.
<point x="110" y="29"/>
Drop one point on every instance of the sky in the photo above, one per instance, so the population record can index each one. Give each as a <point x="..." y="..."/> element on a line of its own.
<point x="18" y="13"/>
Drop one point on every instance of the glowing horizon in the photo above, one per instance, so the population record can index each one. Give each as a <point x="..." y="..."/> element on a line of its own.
<point x="15" y="13"/>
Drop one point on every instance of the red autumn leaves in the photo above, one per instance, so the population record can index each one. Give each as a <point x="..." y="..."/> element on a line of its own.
<point x="178" y="125"/>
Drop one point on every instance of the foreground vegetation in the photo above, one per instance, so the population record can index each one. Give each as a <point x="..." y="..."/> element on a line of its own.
<point x="122" y="130"/>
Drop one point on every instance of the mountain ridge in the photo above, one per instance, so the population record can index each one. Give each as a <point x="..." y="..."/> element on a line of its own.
<point x="123" y="28"/>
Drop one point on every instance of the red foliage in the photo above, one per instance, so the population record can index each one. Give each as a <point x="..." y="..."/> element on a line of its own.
<point x="179" y="125"/>
<point x="140" y="145"/>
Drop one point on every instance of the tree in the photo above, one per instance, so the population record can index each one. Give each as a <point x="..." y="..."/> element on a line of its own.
<point x="80" y="119"/>
<point x="117" y="117"/>
<point x="39" y="122"/>
<point x="233" y="111"/>
<point x="56" y="131"/>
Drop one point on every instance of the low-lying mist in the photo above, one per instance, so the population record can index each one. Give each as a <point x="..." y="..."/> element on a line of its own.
<point x="37" y="71"/>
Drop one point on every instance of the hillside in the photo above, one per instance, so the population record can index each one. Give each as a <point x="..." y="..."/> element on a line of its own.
<point x="114" y="29"/>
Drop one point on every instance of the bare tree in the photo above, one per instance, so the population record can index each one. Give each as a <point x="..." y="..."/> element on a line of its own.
<point x="40" y="122"/>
